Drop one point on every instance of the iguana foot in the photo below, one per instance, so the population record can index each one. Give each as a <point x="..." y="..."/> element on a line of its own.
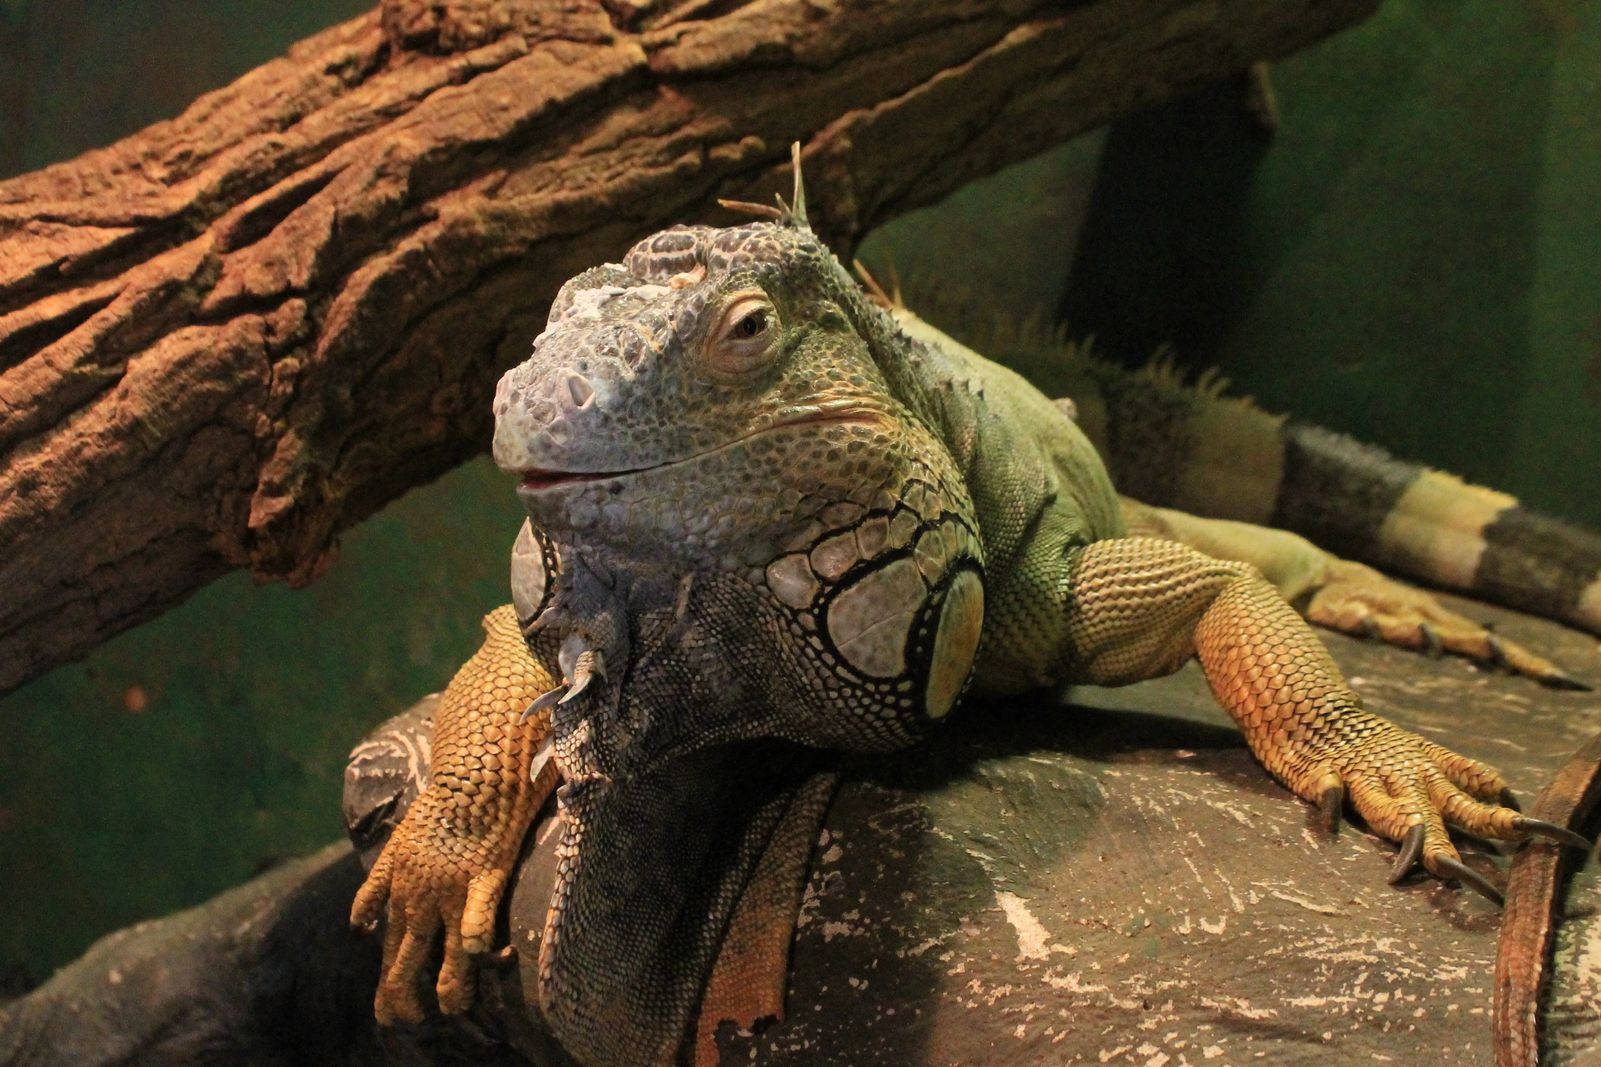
<point x="1130" y="618"/>
<point x="445" y="867"/>
<point x="427" y="880"/>
<point x="431" y="877"/>
<point x="1358" y="600"/>
<point x="1411" y="790"/>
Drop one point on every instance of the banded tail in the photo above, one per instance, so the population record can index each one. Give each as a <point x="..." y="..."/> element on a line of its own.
<point x="1191" y="448"/>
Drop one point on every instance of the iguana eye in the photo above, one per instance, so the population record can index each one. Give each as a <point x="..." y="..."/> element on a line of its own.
<point x="744" y="335"/>
<point x="751" y="325"/>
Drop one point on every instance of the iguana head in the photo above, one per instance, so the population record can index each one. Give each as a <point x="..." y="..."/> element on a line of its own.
<point x="689" y="398"/>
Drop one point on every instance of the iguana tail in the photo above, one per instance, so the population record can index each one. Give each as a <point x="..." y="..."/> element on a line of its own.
<point x="1189" y="447"/>
<point x="1193" y="449"/>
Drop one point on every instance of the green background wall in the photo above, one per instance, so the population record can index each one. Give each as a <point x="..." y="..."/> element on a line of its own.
<point x="1415" y="259"/>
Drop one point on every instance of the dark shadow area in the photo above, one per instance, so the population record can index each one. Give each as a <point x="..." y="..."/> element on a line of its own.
<point x="78" y="74"/>
<point x="1399" y="265"/>
<point x="1162" y="257"/>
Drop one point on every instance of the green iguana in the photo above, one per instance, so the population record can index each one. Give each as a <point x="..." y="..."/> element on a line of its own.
<point x="764" y="507"/>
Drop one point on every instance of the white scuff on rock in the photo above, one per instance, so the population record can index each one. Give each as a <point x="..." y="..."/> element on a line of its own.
<point x="1033" y="940"/>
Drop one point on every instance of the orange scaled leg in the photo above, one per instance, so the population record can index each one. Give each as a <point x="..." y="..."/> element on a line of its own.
<point x="1141" y="607"/>
<point x="446" y="865"/>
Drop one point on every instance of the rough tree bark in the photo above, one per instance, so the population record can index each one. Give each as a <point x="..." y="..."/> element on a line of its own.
<point x="233" y="334"/>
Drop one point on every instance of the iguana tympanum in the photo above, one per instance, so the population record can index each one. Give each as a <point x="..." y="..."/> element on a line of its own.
<point x="764" y="507"/>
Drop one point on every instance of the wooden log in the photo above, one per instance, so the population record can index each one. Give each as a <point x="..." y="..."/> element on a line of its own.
<point x="228" y="337"/>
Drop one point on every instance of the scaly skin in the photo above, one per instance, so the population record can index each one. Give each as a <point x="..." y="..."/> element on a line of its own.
<point x="446" y="866"/>
<point x="1130" y="414"/>
<point x="1534" y="908"/>
<point x="1344" y="595"/>
<point x="1197" y="450"/>
<point x="1144" y="606"/>
<point x="762" y="513"/>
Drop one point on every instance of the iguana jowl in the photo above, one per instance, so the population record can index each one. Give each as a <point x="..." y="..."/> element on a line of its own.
<point x="762" y="509"/>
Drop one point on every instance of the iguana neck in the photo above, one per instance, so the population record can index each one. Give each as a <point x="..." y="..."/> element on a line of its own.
<point x="940" y="390"/>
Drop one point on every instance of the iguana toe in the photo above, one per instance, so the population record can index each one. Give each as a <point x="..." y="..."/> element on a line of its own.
<point x="456" y="984"/>
<point x="478" y="915"/>
<point x="1330" y="804"/>
<point x="1477" y="779"/>
<point x="404" y="955"/>
<point x="1511" y="656"/>
<point x="368" y="907"/>
<point x="1360" y="601"/>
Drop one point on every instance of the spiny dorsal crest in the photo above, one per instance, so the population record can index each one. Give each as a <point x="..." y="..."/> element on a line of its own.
<point x="792" y="214"/>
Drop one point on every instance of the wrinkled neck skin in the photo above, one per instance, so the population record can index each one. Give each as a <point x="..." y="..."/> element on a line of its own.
<point x="662" y="820"/>
<point x="665" y="809"/>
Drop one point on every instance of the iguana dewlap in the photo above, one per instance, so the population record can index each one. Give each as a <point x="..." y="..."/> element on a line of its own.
<point x="761" y="510"/>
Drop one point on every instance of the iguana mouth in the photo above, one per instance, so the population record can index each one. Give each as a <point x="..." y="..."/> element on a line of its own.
<point x="538" y="479"/>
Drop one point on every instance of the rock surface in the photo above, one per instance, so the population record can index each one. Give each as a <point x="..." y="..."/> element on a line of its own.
<point x="1113" y="881"/>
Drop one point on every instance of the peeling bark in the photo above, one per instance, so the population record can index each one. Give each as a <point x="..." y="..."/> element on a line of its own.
<point x="230" y="336"/>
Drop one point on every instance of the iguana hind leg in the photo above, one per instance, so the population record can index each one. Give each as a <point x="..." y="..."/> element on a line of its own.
<point x="1141" y="607"/>
<point x="446" y="865"/>
<point x="1343" y="595"/>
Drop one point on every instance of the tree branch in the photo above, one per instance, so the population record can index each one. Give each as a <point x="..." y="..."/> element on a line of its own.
<point x="232" y="335"/>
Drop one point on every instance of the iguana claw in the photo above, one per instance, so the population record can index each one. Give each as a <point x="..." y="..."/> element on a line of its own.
<point x="1498" y="652"/>
<point x="1407" y="857"/>
<point x="1450" y="868"/>
<point x="1509" y="799"/>
<point x="1553" y="832"/>
<point x="1433" y="647"/>
<point x="1561" y="680"/>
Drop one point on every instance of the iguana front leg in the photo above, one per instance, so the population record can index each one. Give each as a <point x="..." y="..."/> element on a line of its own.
<point x="1141" y="607"/>
<point x="1342" y="594"/>
<point x="446" y="865"/>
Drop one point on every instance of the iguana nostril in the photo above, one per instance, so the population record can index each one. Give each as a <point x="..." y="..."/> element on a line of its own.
<point x="579" y="389"/>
